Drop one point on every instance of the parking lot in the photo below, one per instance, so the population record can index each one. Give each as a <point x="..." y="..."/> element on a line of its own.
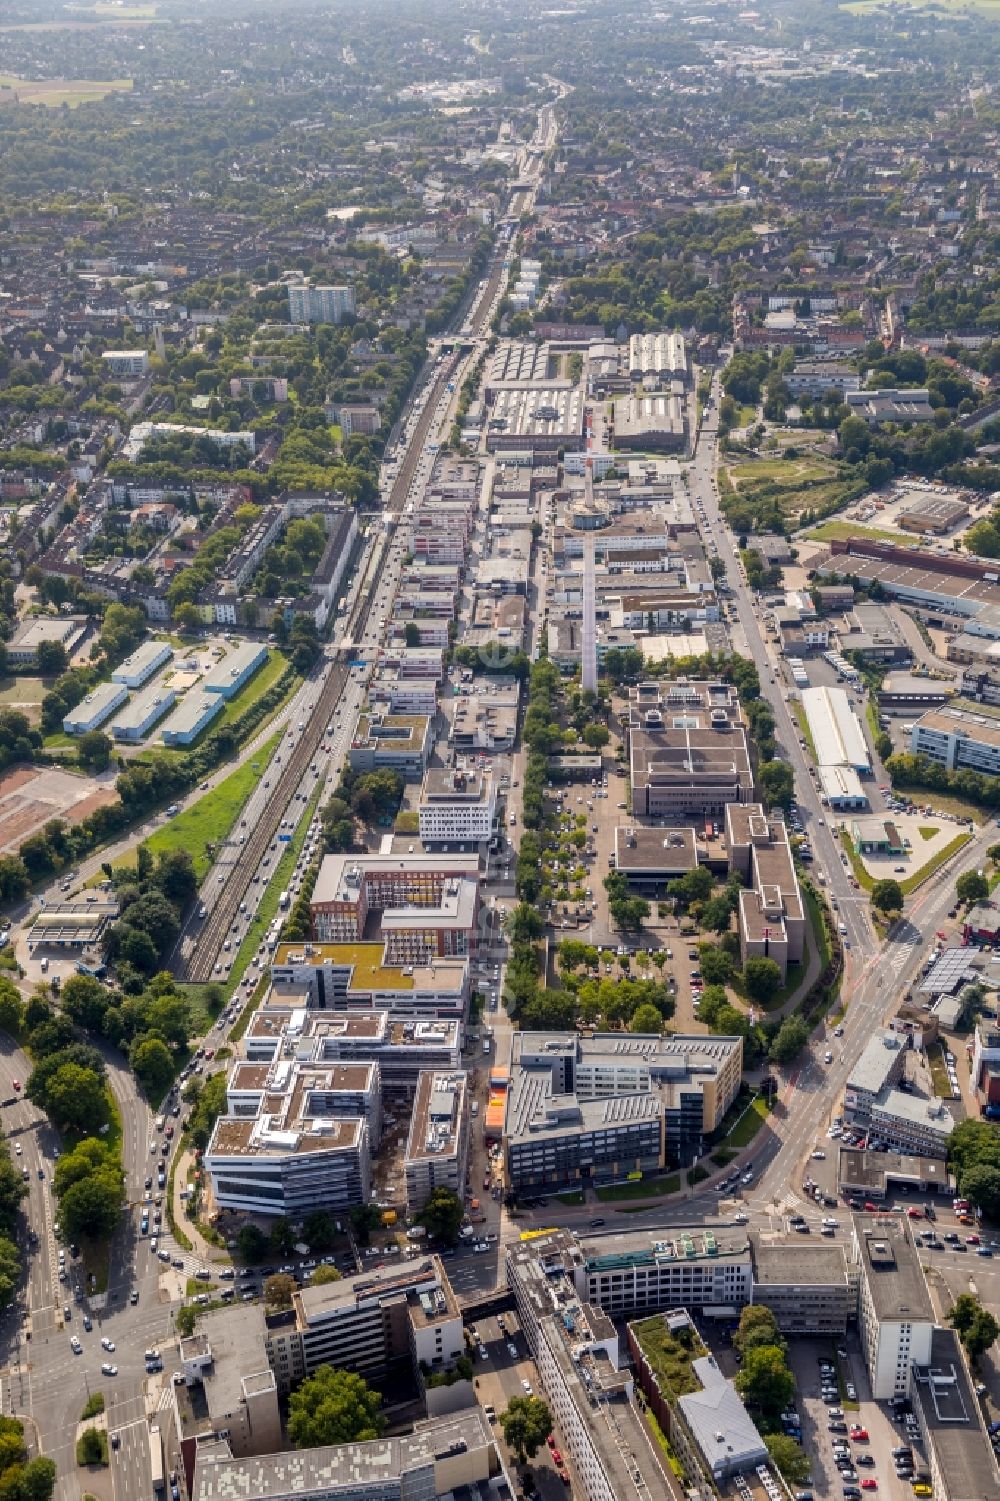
<point x="504" y="1369"/>
<point x="848" y="1442"/>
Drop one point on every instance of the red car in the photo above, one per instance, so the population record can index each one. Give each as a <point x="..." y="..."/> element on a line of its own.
<point x="859" y="1434"/>
<point x="556" y="1457"/>
<point x="551" y="1440"/>
<point x="869" y="1483"/>
<point x="972" y="1240"/>
<point x="17" y="1085"/>
<point x="915" y="1213"/>
<point x="870" y="1208"/>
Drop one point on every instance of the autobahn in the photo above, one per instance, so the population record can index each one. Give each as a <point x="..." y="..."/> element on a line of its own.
<point x="40" y="1379"/>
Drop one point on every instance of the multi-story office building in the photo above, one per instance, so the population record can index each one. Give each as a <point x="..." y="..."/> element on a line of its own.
<point x="126" y="362"/>
<point x="688" y="750"/>
<point x="810" y="1289"/>
<point x="595" y="1109"/>
<point x="772" y="919"/>
<point x="308" y="304"/>
<point x="427" y="905"/>
<point x="895" y="1313"/>
<point x="912" y="1125"/>
<point x="697" y="1266"/>
<point x="958" y="740"/>
<point x="576" y="1350"/>
<point x="455" y="1455"/>
<point x="457" y="806"/>
<point x="963" y="1466"/>
<point x="880" y="1067"/>
<point x="228" y="1388"/>
<point x="391" y="742"/>
<point x="296" y="1137"/>
<point x="375" y="1324"/>
<point x="437" y="1148"/>
<point x="355" y="976"/>
<point x="403" y="1050"/>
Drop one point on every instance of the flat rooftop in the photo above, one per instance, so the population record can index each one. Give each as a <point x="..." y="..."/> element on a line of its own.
<point x="864" y="1172"/>
<point x="341" y="876"/>
<point x="640" y="850"/>
<point x="677" y="1243"/>
<point x="880" y="1056"/>
<point x="779" y="1263"/>
<point x="437" y="1120"/>
<point x="343" y="1467"/>
<point x="892" y="1267"/>
<point x="978" y="726"/>
<point x="952" y="1417"/>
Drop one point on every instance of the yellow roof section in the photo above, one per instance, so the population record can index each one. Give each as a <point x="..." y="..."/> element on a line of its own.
<point x="364" y="959"/>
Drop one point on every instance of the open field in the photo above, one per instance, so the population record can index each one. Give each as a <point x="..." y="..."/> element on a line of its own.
<point x="56" y="91"/>
<point x="20" y="691"/>
<point x="209" y="820"/>
<point x="29" y="797"/>
<point x="839" y="531"/>
<point x="783" y="472"/>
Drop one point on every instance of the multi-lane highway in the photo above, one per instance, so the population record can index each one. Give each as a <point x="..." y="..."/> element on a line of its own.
<point x="42" y="1378"/>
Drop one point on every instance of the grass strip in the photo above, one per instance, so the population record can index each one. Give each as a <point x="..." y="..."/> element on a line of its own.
<point x="639" y="1188"/>
<point x="207" y="822"/>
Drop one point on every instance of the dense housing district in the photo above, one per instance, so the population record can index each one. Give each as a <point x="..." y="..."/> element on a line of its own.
<point x="499" y="753"/>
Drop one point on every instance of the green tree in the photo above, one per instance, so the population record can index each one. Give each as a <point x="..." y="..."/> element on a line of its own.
<point x="762" y="979"/>
<point x="411" y="634"/>
<point x="318" y="1230"/>
<point x="91" y="1446"/>
<point x="976" y="1326"/>
<point x="333" y="1407"/>
<point x="38" y="1479"/>
<point x="443" y="1214"/>
<point x="252" y="1244"/>
<point x="646" y="1018"/>
<point x="980" y="1184"/>
<point x="75" y="1099"/>
<point x="187" y="617"/>
<point x="887" y="896"/>
<point x="717" y="914"/>
<point x="90" y="1208"/>
<point x="526" y="1423"/>
<point x="777" y="783"/>
<point x="596" y="736"/>
<point x="789" y="1040"/>
<point x="971" y="887"/>
<point x="11" y="1007"/>
<point x="757" y="1326"/>
<point x="283" y="1237"/>
<point x="85" y="1000"/>
<point x="789" y="1458"/>
<point x="715" y="963"/>
<point x="186" y="1318"/>
<point x="322" y="1274"/>
<point x="279" y="1291"/>
<point x="524" y="924"/>
<point x="153" y="1065"/>
<point x="94" y="751"/>
<point x="51" y="658"/>
<point x="765" y="1381"/>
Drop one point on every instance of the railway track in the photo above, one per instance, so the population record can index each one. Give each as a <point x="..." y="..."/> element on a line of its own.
<point x="219" y="923"/>
<point x="220" y="920"/>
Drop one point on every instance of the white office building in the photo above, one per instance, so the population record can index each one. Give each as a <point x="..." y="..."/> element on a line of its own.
<point x="958" y="740"/>
<point x="134" y="720"/>
<point x="457" y="806"/>
<point x="437" y="1148"/>
<point x="895" y="1315"/>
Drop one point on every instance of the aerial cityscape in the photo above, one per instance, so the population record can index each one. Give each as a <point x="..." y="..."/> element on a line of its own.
<point x="499" y="751"/>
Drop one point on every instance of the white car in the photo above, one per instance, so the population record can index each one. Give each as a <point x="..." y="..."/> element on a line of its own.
<point x="108" y="1344"/>
<point x="107" y="1369"/>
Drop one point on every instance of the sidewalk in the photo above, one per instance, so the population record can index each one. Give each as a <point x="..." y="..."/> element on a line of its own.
<point x="201" y="1247"/>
